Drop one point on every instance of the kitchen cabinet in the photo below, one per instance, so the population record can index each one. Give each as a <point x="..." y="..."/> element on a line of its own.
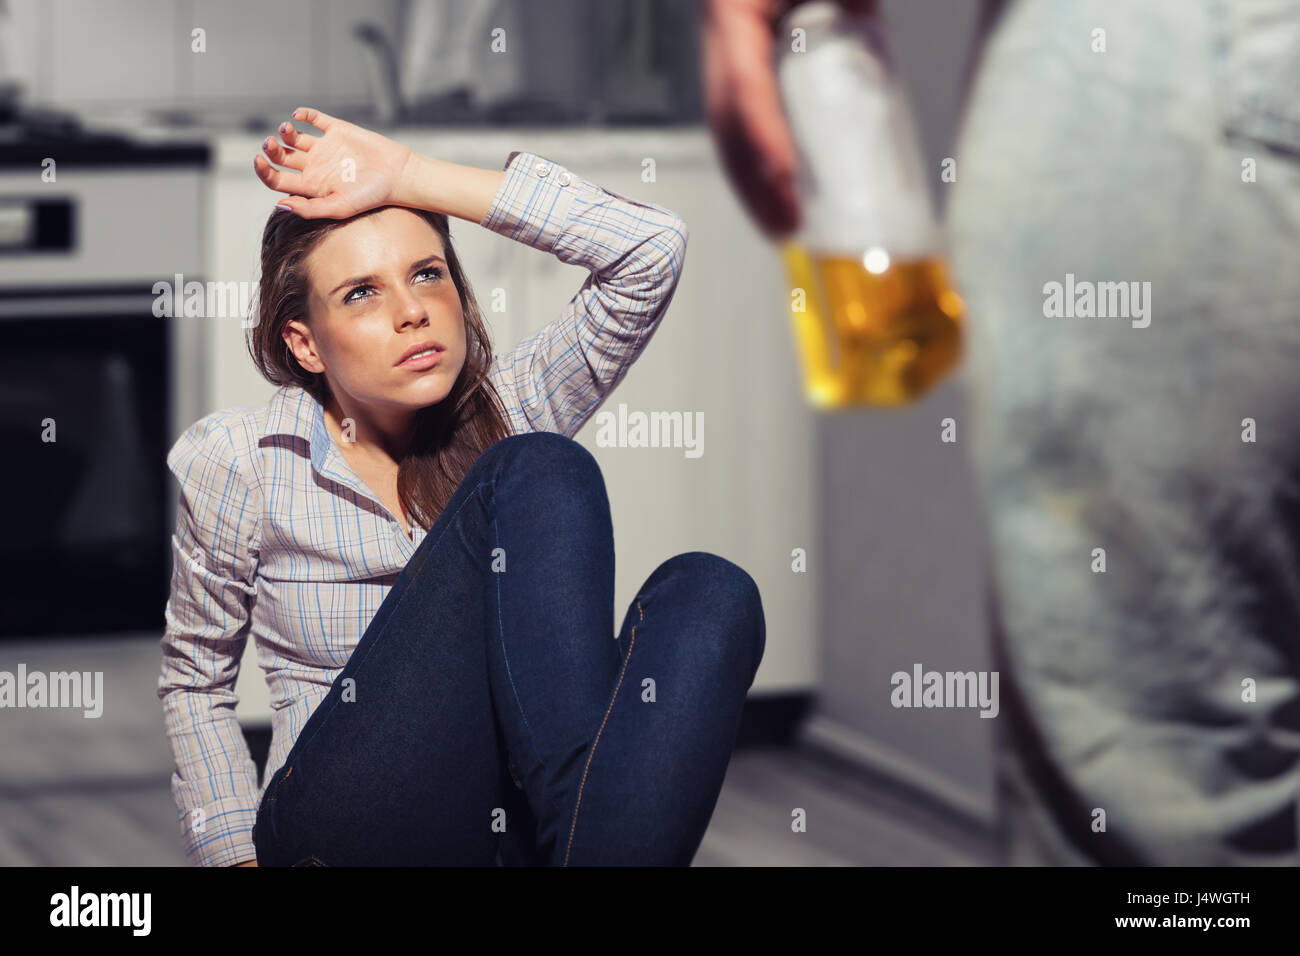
<point x="724" y="349"/>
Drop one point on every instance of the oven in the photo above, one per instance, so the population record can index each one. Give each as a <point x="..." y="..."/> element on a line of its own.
<point x="94" y="386"/>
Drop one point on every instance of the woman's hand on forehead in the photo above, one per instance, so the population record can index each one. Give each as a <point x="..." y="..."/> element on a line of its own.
<point x="346" y="171"/>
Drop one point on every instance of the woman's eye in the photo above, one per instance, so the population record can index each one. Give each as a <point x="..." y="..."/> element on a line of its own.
<point x="436" y="272"/>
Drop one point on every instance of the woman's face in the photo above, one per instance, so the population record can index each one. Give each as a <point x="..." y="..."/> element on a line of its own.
<point x="379" y="286"/>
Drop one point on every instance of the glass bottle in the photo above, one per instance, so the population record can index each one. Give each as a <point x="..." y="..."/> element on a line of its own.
<point x="875" y="318"/>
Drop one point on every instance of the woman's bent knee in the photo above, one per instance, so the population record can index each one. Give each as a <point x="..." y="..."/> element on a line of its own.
<point x="545" y="459"/>
<point x="719" y="592"/>
<point x="546" y="446"/>
<point x="710" y="573"/>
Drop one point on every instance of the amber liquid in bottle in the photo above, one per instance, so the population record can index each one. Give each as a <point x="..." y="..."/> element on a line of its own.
<point x="870" y="331"/>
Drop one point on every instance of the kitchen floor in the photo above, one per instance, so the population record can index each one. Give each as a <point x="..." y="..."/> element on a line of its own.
<point x="77" y="792"/>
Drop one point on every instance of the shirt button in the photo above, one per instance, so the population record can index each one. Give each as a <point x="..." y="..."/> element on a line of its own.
<point x="542" y="169"/>
<point x="564" y="179"/>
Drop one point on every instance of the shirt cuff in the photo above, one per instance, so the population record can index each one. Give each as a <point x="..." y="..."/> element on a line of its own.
<point x="226" y="837"/>
<point x="535" y="200"/>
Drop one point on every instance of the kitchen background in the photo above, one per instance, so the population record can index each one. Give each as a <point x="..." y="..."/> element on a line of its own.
<point x="154" y="146"/>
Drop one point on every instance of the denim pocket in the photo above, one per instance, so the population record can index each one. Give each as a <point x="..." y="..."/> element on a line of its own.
<point x="273" y="789"/>
<point x="265" y="832"/>
<point x="1256" y="45"/>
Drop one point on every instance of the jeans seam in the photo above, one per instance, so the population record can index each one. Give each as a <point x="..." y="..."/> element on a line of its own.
<point x="501" y="639"/>
<point x="592" y="752"/>
<point x="424" y="560"/>
<point x="271" y="799"/>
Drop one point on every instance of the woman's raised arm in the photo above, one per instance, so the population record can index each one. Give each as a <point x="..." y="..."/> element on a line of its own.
<point x="349" y="169"/>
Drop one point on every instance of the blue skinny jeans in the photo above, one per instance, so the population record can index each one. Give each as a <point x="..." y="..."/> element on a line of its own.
<point x="490" y="716"/>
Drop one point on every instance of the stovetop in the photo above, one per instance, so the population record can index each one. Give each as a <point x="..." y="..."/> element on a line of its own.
<point x="28" y="137"/>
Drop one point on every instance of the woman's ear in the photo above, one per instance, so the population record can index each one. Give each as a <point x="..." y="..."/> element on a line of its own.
<point x="297" y="336"/>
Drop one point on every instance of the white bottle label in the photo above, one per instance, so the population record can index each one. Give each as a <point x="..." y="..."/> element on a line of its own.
<point x="861" y="181"/>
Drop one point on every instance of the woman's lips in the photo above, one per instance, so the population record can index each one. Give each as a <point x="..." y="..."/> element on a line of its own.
<point x="418" y="363"/>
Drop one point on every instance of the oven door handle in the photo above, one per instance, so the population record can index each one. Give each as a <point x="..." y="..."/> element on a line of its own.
<point x="16" y="304"/>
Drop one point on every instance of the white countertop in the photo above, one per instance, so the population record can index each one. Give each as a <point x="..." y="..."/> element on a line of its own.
<point x="487" y="147"/>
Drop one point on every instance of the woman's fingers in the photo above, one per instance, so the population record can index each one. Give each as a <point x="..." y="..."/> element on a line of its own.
<point x="277" y="179"/>
<point x="282" y="155"/>
<point x="321" y="121"/>
<point x="296" y="143"/>
<point x="325" y="207"/>
<point x="296" y="138"/>
<point x="316" y="188"/>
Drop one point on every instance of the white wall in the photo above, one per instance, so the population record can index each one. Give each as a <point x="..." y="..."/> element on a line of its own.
<point x="723" y="349"/>
<point x="85" y="55"/>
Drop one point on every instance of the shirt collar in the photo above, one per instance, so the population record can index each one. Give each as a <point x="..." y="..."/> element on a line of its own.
<point x="293" y="411"/>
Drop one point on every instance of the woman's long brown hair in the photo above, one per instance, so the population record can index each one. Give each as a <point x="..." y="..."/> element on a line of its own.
<point x="450" y="435"/>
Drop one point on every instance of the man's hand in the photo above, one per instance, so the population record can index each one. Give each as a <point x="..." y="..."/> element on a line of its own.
<point x="744" y="108"/>
<point x="346" y="171"/>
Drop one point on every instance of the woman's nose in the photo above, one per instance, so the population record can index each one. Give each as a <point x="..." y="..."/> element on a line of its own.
<point x="411" y="311"/>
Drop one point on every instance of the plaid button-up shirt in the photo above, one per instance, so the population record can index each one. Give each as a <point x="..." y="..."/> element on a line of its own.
<point x="277" y="537"/>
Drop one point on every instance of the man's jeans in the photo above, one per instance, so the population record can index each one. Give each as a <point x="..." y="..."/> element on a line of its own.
<point x="489" y="715"/>
<point x="1151" y="710"/>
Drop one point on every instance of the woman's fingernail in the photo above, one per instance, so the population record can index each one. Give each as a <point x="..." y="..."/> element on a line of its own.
<point x="281" y="205"/>
<point x="284" y="127"/>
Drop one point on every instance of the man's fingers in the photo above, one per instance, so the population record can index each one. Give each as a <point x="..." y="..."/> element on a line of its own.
<point x="758" y="151"/>
<point x="746" y="113"/>
<point x="772" y="204"/>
